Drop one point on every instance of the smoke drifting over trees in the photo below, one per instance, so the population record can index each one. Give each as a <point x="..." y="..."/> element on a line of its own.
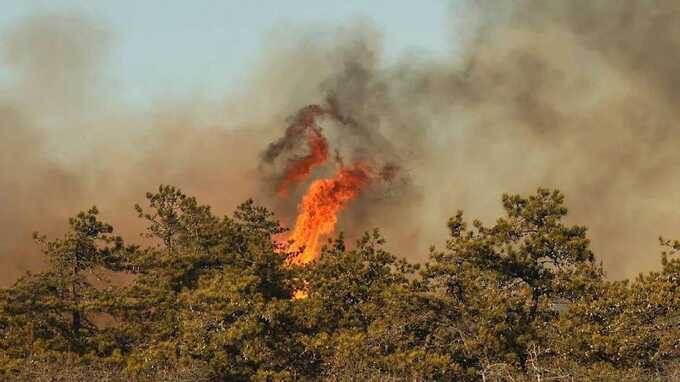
<point x="575" y="95"/>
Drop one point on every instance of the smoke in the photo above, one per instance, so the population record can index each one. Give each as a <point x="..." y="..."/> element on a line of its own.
<point x="575" y="95"/>
<point x="68" y="141"/>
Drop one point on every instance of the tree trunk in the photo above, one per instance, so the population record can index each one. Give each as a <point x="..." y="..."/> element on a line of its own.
<point x="76" y="321"/>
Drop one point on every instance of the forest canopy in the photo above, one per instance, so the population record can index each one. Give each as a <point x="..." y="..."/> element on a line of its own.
<point x="221" y="299"/>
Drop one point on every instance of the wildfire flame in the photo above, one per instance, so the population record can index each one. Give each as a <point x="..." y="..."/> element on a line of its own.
<point x="318" y="211"/>
<point x="299" y="169"/>
<point x="325" y="198"/>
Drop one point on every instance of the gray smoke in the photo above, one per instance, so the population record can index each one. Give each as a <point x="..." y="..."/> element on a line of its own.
<point x="575" y="95"/>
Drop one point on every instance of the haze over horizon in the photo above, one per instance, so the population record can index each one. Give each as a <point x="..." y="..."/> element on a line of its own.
<point x="101" y="102"/>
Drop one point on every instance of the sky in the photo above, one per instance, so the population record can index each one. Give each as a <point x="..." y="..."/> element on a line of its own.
<point x="179" y="47"/>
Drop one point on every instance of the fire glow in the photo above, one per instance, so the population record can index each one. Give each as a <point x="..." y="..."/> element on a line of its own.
<point x="299" y="169"/>
<point x="325" y="198"/>
<point x="318" y="211"/>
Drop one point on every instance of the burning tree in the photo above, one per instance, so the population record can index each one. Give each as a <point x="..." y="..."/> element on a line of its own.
<point x="325" y="197"/>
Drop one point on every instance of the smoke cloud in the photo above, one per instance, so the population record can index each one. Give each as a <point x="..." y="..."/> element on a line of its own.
<point x="575" y="95"/>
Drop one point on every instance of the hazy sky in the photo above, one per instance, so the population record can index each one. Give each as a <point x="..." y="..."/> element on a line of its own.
<point x="206" y="46"/>
<point x="506" y="97"/>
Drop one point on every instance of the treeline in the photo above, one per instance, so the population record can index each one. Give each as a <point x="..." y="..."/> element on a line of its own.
<point x="212" y="299"/>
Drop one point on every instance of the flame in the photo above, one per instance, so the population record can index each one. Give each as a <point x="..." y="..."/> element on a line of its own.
<point x="325" y="198"/>
<point x="299" y="169"/>
<point x="300" y="295"/>
<point x="319" y="208"/>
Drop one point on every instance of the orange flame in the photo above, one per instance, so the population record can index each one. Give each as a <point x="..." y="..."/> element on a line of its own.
<point x="319" y="209"/>
<point x="300" y="168"/>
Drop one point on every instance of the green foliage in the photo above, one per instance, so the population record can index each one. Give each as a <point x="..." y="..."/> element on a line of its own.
<point x="213" y="291"/>
<point x="502" y="284"/>
<point x="213" y="298"/>
<point x="52" y="314"/>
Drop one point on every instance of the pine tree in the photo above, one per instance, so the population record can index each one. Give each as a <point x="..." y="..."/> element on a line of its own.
<point x="503" y="284"/>
<point x="54" y="311"/>
<point x="212" y="291"/>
